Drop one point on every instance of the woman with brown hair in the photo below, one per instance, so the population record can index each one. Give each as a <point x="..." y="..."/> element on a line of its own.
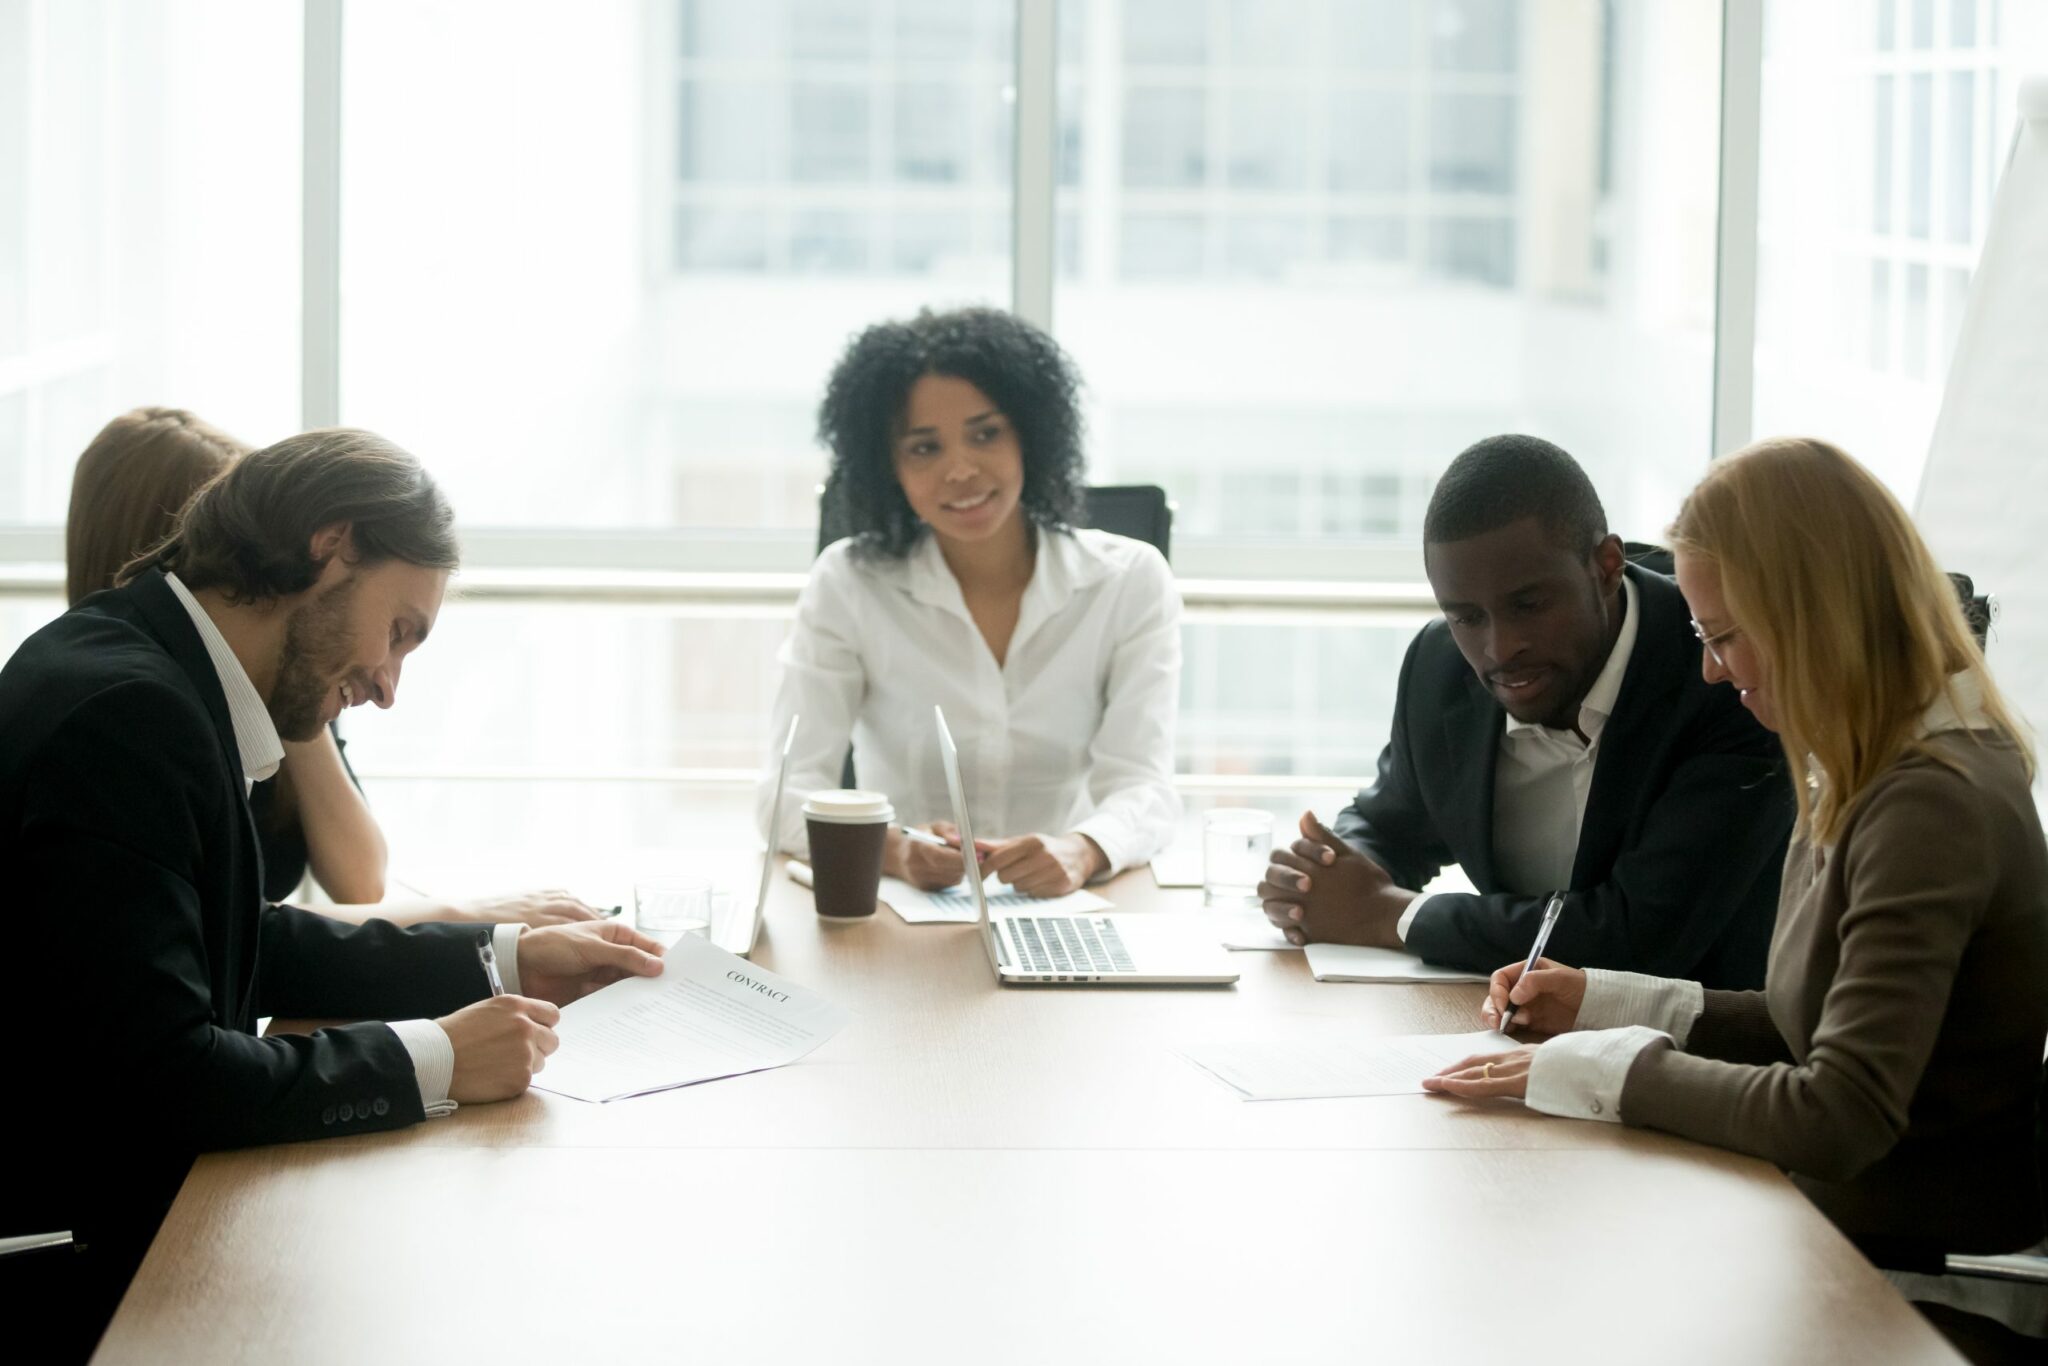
<point x="1892" y="1062"/>
<point x="126" y="494"/>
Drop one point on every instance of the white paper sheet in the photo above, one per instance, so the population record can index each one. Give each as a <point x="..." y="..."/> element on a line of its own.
<point x="1356" y="963"/>
<point x="709" y="1015"/>
<point x="1251" y="930"/>
<point x="1323" y="1065"/>
<point x="1178" y="866"/>
<point x="956" y="906"/>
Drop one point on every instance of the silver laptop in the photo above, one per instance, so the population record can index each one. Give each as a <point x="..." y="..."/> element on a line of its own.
<point x="1109" y="950"/>
<point x="739" y="929"/>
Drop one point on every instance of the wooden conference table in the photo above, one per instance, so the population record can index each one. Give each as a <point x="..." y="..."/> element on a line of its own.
<point x="968" y="1173"/>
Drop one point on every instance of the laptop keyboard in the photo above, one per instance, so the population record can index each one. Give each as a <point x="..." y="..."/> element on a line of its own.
<point x="1068" y="944"/>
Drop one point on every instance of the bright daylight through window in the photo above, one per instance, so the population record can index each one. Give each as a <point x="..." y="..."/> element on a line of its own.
<point x="595" y="263"/>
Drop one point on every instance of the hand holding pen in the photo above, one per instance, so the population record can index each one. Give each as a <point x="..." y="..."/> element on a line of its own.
<point x="1539" y="995"/>
<point x="929" y="859"/>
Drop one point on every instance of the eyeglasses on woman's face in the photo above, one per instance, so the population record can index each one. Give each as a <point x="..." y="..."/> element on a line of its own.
<point x="1715" y="641"/>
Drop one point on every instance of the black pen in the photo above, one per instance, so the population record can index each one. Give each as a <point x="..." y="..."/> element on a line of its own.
<point x="1535" y="951"/>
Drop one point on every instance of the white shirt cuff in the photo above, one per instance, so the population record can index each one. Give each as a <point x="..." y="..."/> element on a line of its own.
<point x="1614" y="999"/>
<point x="1408" y="916"/>
<point x="433" y="1062"/>
<point x="505" y="947"/>
<point x="1109" y="835"/>
<point x="1580" y="1075"/>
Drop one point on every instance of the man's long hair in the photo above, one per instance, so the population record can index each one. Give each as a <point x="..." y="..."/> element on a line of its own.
<point x="249" y="533"/>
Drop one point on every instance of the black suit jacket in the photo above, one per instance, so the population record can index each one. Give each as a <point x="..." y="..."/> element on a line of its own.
<point x="142" y="949"/>
<point x="1684" y="836"/>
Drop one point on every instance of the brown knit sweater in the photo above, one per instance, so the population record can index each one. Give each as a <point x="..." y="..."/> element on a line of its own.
<point x="1893" y="1062"/>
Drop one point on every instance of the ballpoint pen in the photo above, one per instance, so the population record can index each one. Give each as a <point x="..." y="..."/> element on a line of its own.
<point x="1535" y="951"/>
<point x="486" y="956"/>
<point x="923" y="837"/>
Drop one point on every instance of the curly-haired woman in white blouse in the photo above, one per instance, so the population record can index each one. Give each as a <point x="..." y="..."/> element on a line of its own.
<point x="1054" y="650"/>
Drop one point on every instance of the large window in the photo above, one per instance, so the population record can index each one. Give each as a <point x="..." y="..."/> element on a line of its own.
<point x="598" y="261"/>
<point x="595" y="261"/>
<point x="149" y="226"/>
<point x="1313" y="248"/>
<point x="1887" y="124"/>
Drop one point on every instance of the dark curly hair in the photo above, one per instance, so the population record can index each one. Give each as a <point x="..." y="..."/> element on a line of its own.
<point x="1019" y="367"/>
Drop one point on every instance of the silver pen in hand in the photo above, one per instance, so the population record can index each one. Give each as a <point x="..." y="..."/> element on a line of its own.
<point x="489" y="958"/>
<point x="1550" y="911"/>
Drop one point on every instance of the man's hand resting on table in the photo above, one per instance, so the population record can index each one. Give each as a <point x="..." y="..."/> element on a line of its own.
<point x="1323" y="891"/>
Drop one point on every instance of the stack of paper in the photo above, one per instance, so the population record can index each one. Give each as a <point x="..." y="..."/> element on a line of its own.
<point x="1355" y="963"/>
<point x="710" y="1014"/>
<point x="1325" y="1065"/>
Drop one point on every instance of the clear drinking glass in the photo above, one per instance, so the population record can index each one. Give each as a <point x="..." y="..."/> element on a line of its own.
<point x="676" y="905"/>
<point x="1237" y="842"/>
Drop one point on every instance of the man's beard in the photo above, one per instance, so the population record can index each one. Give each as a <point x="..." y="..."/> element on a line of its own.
<point x="317" y="647"/>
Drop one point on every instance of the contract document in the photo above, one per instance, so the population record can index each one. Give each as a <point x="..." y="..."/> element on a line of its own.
<point x="1357" y="963"/>
<point x="710" y="1014"/>
<point x="955" y="905"/>
<point x="1324" y="1065"/>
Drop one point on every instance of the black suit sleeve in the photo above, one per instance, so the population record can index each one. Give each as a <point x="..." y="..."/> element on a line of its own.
<point x="320" y="968"/>
<point x="1707" y="852"/>
<point x="1388" y="822"/>
<point x="111" y="872"/>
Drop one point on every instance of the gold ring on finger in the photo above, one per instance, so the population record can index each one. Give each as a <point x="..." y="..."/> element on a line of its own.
<point x="1487" y="1071"/>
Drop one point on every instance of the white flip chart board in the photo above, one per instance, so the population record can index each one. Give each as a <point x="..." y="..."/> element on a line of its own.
<point x="1983" y="502"/>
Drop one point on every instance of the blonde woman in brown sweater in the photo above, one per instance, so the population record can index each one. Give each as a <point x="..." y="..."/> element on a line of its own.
<point x="1893" y="1061"/>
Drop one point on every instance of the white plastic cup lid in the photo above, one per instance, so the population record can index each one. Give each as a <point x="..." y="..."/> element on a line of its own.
<point x="848" y="806"/>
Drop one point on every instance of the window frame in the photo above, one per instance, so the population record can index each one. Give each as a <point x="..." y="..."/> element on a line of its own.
<point x="1357" y="565"/>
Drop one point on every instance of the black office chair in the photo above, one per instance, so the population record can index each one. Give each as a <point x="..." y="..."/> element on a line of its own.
<point x="1654" y="558"/>
<point x="1139" y="511"/>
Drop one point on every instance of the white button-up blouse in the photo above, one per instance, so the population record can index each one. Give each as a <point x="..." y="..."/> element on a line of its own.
<point x="1072" y="733"/>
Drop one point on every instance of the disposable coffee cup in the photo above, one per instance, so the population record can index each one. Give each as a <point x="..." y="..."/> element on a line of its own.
<point x="848" y="830"/>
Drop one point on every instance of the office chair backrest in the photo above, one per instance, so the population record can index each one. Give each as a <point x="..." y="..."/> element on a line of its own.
<point x="1654" y="558"/>
<point x="1139" y="511"/>
<point x="1977" y="608"/>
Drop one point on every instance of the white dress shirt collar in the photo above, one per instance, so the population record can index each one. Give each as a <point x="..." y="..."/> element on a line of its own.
<point x="256" y="738"/>
<point x="1064" y="566"/>
<point x="1598" y="704"/>
<point x="1959" y="707"/>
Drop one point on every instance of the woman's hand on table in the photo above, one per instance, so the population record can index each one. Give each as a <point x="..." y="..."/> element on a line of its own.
<point x="1045" y="865"/>
<point x="551" y="907"/>
<point x="1486" y="1076"/>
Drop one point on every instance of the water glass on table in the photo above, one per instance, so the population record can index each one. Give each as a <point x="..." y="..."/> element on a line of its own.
<point x="1237" y="842"/>
<point x="672" y="906"/>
